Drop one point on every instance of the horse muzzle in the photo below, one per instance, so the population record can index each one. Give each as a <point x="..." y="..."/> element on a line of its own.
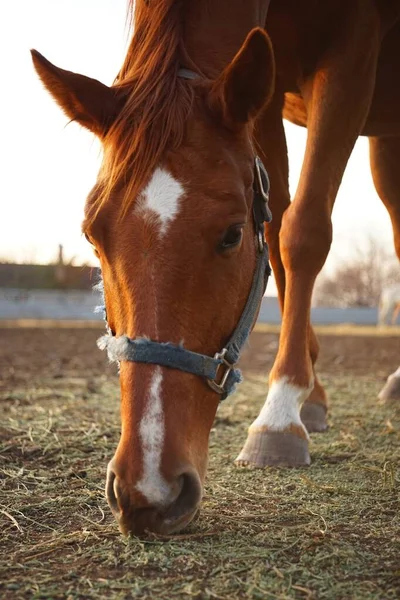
<point x="164" y="511"/>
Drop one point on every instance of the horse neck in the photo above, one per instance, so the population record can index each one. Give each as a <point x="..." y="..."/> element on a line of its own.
<point x="214" y="31"/>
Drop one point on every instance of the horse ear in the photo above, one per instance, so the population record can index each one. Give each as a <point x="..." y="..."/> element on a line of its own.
<point x="85" y="100"/>
<point x="247" y="83"/>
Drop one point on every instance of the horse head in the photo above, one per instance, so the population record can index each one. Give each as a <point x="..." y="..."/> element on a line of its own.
<point x="171" y="221"/>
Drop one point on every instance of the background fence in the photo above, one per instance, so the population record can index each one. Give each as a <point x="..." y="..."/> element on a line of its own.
<point x="80" y="305"/>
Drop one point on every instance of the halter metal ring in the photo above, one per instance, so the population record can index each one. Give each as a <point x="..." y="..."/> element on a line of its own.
<point x="258" y="167"/>
<point x="220" y="387"/>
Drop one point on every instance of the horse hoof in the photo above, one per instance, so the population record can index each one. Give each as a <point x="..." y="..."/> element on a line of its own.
<point x="274" y="449"/>
<point x="313" y="417"/>
<point x="390" y="393"/>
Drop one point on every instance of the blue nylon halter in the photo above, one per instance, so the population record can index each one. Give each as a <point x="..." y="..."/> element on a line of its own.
<point x="165" y="354"/>
<point x="143" y="350"/>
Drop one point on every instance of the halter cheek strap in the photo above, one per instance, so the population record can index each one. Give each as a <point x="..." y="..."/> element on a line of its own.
<point x="219" y="371"/>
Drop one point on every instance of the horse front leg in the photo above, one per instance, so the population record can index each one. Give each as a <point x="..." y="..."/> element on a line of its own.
<point x="271" y="146"/>
<point x="337" y="97"/>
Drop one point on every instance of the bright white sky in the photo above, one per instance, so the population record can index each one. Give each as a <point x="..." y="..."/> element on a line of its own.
<point x="48" y="167"/>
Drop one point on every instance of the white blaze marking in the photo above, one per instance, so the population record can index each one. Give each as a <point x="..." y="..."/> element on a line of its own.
<point x="152" y="485"/>
<point x="161" y="198"/>
<point x="282" y="406"/>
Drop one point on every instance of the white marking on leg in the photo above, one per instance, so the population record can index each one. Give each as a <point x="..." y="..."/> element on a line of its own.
<point x="396" y="373"/>
<point x="161" y="198"/>
<point x="152" y="484"/>
<point x="282" y="406"/>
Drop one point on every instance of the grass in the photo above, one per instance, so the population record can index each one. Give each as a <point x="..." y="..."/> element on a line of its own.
<point x="331" y="531"/>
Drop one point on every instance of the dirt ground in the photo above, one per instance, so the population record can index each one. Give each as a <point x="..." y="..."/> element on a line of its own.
<point x="29" y="355"/>
<point x="330" y="531"/>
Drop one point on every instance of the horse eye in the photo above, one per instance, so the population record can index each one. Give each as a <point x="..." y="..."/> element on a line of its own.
<point x="232" y="237"/>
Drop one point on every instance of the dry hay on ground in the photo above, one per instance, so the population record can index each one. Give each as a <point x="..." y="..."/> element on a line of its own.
<point x="331" y="531"/>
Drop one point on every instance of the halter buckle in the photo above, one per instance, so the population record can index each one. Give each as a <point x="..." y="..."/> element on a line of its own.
<point x="220" y="387"/>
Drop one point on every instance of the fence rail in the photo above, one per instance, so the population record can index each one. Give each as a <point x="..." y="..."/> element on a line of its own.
<point x="79" y="305"/>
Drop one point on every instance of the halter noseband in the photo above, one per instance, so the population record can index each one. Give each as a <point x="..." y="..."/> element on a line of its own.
<point x="219" y="371"/>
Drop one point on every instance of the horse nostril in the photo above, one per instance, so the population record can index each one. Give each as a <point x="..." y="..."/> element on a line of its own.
<point x="111" y="491"/>
<point x="135" y="517"/>
<point x="188" y="500"/>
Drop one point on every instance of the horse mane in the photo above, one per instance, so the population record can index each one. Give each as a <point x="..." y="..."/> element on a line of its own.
<point x="156" y="101"/>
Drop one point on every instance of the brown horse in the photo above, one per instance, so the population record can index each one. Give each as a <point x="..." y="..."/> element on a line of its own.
<point x="170" y="216"/>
